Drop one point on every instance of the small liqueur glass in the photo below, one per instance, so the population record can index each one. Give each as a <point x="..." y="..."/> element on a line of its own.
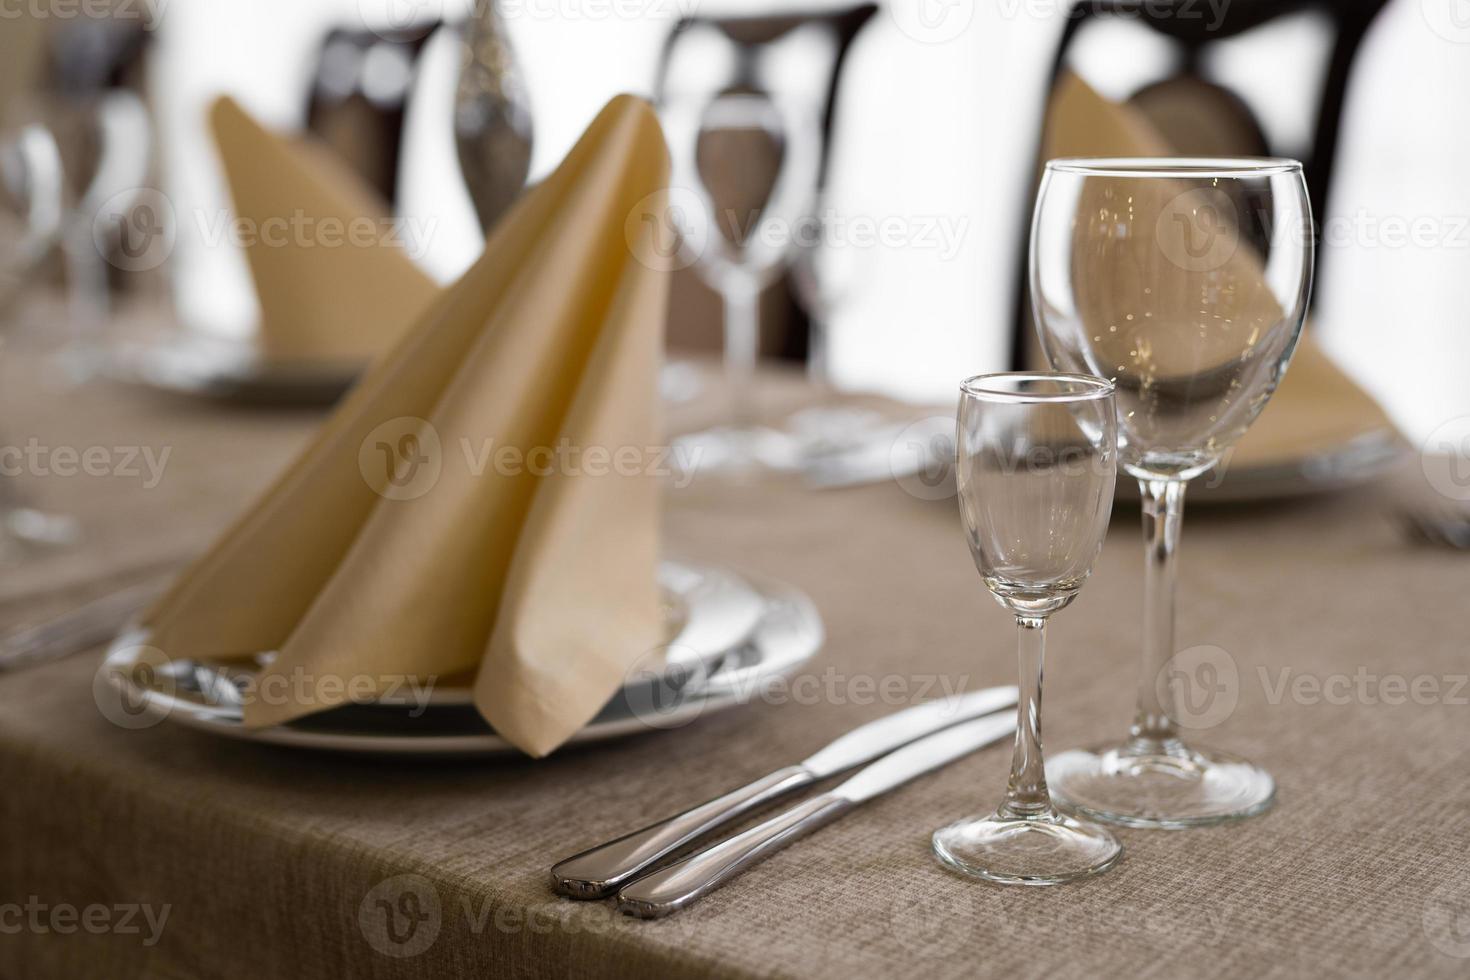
<point x="1037" y="463"/>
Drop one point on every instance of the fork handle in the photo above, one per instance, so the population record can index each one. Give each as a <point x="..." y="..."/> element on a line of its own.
<point x="676" y="886"/>
<point x="601" y="871"/>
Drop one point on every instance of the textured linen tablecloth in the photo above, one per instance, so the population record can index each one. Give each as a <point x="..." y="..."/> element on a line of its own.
<point x="273" y="863"/>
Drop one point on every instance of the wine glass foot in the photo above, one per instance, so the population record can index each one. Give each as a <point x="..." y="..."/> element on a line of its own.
<point x="1159" y="785"/>
<point x="1046" y="849"/>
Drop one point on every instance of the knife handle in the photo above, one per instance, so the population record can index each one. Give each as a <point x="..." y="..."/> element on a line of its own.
<point x="599" y="872"/>
<point x="681" y="883"/>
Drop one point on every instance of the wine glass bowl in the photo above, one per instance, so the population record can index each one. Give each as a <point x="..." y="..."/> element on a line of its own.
<point x="1036" y="463"/>
<point x="1185" y="282"/>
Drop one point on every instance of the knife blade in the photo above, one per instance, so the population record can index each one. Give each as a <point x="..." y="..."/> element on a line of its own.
<point x="681" y="883"/>
<point x="602" y="870"/>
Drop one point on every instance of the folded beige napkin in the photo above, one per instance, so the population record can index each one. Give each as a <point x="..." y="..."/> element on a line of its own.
<point x="1316" y="407"/>
<point x="381" y="552"/>
<point x="334" y="278"/>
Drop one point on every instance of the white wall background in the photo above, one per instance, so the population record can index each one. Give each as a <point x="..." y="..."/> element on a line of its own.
<point x="937" y="123"/>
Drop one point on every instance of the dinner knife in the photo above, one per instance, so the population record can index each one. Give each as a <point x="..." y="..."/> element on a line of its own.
<point x="681" y="883"/>
<point x="601" y="871"/>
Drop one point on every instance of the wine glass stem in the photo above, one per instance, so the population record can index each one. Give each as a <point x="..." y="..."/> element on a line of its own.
<point x="1026" y="794"/>
<point x="742" y="345"/>
<point x="1163" y="514"/>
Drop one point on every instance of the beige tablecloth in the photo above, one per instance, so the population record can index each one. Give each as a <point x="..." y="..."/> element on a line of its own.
<point x="269" y="862"/>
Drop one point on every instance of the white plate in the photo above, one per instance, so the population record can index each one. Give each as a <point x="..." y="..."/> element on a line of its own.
<point x="785" y="632"/>
<point x="215" y="368"/>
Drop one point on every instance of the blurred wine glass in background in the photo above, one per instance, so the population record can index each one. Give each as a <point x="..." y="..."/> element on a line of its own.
<point x="829" y="274"/>
<point x="31" y="206"/>
<point x="737" y="221"/>
<point x="32" y="222"/>
<point x="747" y="105"/>
<point x="104" y="134"/>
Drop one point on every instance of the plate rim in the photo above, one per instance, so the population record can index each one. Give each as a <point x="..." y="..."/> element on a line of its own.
<point x="776" y="597"/>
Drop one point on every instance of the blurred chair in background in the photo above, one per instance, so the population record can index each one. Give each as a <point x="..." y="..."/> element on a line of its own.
<point x="359" y="96"/>
<point x="365" y="80"/>
<point x="1201" y="115"/>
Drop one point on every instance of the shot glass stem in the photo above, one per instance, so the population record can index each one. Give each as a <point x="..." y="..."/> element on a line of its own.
<point x="1026" y="794"/>
<point x="1163" y="513"/>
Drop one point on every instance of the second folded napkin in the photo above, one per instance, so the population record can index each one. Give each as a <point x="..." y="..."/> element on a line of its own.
<point x="403" y="543"/>
<point x="332" y="272"/>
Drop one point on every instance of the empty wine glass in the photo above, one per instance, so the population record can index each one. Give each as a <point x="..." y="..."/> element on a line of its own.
<point x="32" y="223"/>
<point x="1185" y="281"/>
<point x="32" y="202"/>
<point x="741" y="237"/>
<point x="1036" y="466"/>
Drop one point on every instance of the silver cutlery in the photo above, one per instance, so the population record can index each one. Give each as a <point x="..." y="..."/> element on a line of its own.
<point x="80" y="629"/>
<point x="681" y="883"/>
<point x="1441" y="524"/>
<point x="601" y="871"/>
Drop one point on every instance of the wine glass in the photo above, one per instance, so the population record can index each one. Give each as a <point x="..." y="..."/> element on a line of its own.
<point x="740" y="239"/>
<point x="31" y="206"/>
<point x="1185" y="281"/>
<point x="32" y="225"/>
<point x="1036" y="462"/>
